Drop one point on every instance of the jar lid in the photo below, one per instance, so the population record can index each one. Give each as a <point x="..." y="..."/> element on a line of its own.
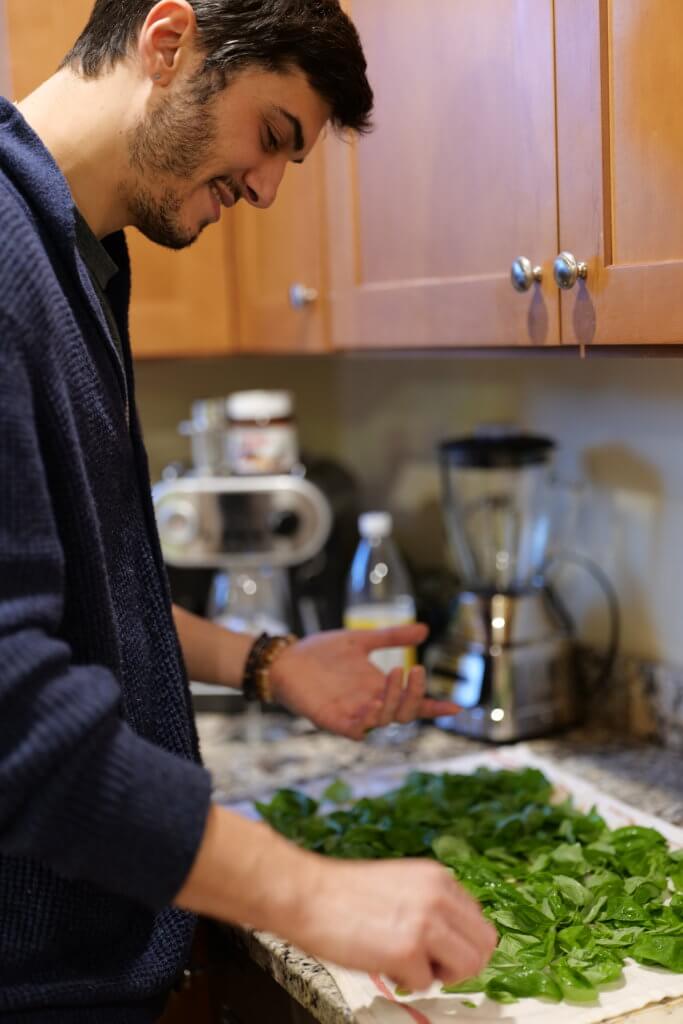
<point x="375" y="524"/>
<point x="259" y="405"/>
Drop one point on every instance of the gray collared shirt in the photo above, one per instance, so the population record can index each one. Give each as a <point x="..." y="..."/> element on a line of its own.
<point x="101" y="269"/>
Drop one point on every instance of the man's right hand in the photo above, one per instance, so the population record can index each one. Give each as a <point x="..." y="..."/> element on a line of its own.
<point x="408" y="919"/>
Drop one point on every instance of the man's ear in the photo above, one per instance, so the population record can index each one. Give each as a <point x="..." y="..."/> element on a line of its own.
<point x="166" y="38"/>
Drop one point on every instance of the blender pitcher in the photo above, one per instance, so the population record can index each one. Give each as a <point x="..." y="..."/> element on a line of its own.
<point x="497" y="505"/>
<point x="507" y="657"/>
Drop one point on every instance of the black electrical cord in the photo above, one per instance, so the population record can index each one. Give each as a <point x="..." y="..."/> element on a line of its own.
<point x="600" y="577"/>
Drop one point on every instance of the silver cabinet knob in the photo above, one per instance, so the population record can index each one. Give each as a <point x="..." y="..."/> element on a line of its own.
<point x="300" y="296"/>
<point x="567" y="270"/>
<point x="523" y="275"/>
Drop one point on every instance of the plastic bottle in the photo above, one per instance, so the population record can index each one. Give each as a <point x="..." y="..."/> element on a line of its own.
<point x="379" y="594"/>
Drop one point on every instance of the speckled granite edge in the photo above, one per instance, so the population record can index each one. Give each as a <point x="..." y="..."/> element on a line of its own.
<point x="633" y="771"/>
<point x="304" y="978"/>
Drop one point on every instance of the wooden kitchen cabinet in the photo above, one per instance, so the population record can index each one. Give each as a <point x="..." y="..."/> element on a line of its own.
<point x="459" y="177"/>
<point x="183" y="303"/>
<point x="503" y="129"/>
<point x="510" y="128"/>
<point x="620" y="145"/>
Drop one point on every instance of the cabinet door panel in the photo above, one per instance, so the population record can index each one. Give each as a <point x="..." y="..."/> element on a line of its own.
<point x="182" y="302"/>
<point x="279" y="248"/>
<point x="620" y="138"/>
<point x="40" y="35"/>
<point x="457" y="179"/>
<point x="5" y="78"/>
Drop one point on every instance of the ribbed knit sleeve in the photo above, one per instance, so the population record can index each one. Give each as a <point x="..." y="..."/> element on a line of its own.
<point x="80" y="791"/>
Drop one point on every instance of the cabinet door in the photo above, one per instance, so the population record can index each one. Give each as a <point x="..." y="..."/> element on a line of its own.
<point x="280" y="250"/>
<point x="182" y="301"/>
<point x="5" y="79"/>
<point x="620" y="144"/>
<point x="427" y="213"/>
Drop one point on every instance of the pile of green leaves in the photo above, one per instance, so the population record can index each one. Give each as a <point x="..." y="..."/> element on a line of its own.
<point x="570" y="898"/>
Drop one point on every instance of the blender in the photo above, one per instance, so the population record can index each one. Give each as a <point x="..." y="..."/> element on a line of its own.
<point x="508" y="655"/>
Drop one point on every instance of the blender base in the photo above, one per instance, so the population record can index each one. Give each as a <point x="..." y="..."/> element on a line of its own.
<point x="510" y="663"/>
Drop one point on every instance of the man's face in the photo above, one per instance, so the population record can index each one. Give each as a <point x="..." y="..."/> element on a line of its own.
<point x="188" y="159"/>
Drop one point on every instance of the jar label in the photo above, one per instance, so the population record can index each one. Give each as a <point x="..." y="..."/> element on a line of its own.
<point x="267" y="449"/>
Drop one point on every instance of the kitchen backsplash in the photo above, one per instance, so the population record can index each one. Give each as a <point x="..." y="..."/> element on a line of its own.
<point x="641" y="698"/>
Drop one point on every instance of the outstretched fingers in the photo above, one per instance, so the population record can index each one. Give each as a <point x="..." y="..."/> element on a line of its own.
<point x="393" y="636"/>
<point x="412" y="696"/>
<point x="433" y="708"/>
<point x="392" y="696"/>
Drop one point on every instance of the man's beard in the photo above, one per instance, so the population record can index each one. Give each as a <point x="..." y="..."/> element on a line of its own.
<point x="157" y="219"/>
<point x="173" y="141"/>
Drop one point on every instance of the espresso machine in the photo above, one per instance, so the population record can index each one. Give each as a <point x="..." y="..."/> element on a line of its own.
<point x="259" y="551"/>
<point x="508" y="654"/>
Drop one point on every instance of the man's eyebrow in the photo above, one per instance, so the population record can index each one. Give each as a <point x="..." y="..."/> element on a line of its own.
<point x="299" y="141"/>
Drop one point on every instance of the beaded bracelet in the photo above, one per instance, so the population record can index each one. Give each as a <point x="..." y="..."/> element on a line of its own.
<point x="256" y="682"/>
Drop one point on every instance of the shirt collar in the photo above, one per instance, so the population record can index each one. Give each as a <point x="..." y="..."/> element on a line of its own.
<point x="95" y="256"/>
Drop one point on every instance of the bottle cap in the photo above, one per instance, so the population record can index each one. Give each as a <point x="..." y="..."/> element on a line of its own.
<point x="375" y="524"/>
<point x="259" y="405"/>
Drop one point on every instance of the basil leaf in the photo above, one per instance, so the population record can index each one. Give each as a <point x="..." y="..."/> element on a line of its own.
<point x="452" y="850"/>
<point x="337" y="792"/>
<point x="574" y="985"/>
<point x="524" y="982"/>
<point x="659" y="949"/>
<point x="572" y="890"/>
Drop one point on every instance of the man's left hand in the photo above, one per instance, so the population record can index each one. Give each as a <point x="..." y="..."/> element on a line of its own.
<point x="330" y="679"/>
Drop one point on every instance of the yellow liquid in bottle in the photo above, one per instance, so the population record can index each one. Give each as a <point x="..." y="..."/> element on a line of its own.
<point x="381" y="616"/>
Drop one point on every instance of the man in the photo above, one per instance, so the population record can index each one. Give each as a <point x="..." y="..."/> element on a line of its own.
<point x="109" y="844"/>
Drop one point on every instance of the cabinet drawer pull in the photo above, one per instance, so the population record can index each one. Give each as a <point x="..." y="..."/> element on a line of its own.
<point x="300" y="296"/>
<point x="567" y="270"/>
<point x="523" y="275"/>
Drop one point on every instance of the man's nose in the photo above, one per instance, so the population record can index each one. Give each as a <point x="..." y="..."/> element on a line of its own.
<point x="262" y="183"/>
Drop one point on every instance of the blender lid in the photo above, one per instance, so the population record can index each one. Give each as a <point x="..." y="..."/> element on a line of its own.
<point x="508" y="452"/>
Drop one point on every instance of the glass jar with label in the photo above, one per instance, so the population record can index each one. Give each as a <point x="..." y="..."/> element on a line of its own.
<point x="261" y="435"/>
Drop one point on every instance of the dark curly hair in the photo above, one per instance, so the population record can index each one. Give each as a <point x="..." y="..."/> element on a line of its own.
<point x="315" y="36"/>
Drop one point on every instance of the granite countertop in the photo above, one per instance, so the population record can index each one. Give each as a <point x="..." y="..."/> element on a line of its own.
<point x="250" y="759"/>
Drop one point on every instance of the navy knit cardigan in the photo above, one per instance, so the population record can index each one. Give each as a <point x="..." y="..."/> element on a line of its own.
<point x="103" y="800"/>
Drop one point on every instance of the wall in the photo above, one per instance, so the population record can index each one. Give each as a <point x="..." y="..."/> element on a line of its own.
<point x="619" y="422"/>
<point x="166" y="389"/>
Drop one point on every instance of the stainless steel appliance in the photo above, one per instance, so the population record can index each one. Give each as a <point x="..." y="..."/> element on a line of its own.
<point x="284" y="538"/>
<point x="233" y="522"/>
<point x="508" y="655"/>
<point x="250" y="531"/>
